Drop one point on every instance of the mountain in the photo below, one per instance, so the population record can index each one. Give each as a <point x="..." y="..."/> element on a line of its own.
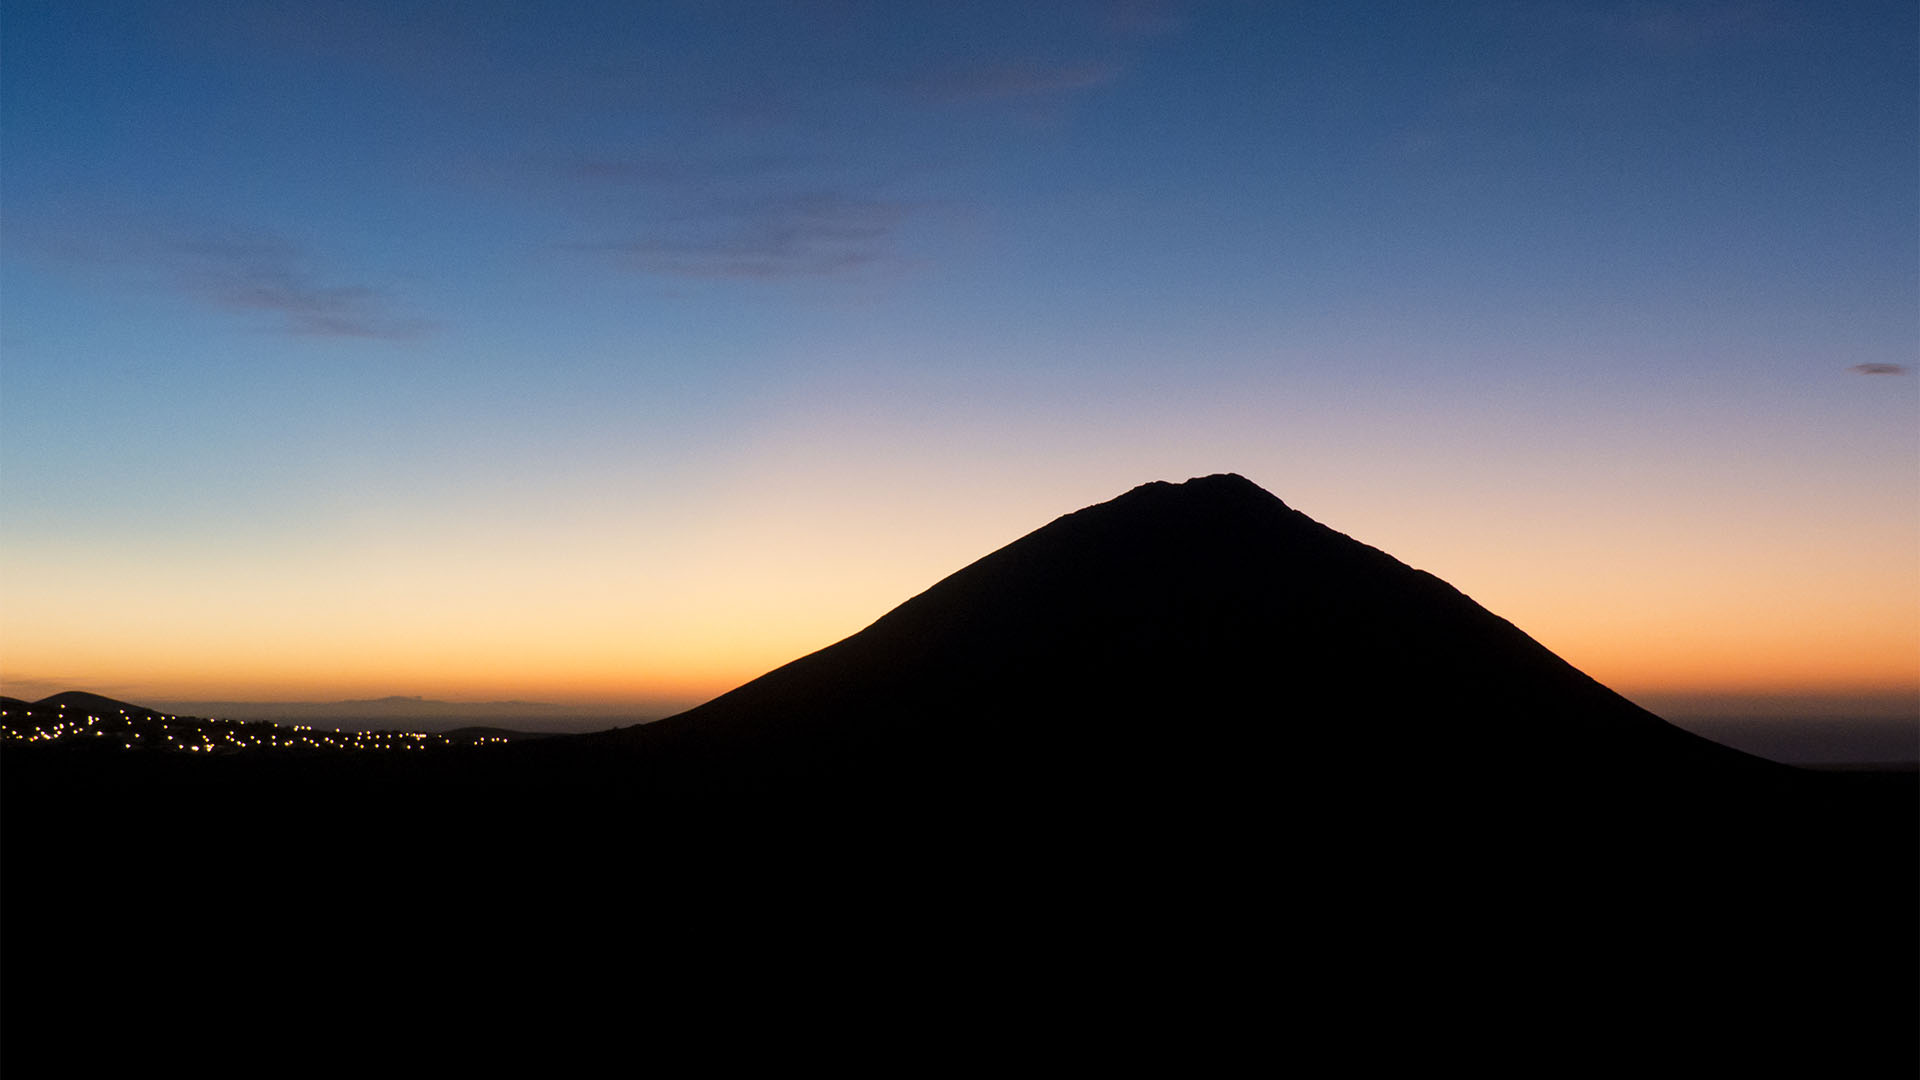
<point x="1182" y="779"/>
<point x="1197" y="634"/>
<point x="1191" y="738"/>
<point x="82" y="701"/>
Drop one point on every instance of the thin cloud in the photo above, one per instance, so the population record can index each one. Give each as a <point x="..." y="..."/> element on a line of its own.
<point x="1878" y="369"/>
<point x="1020" y="79"/>
<point x="672" y="172"/>
<point x="1682" y="26"/>
<point x="245" y="271"/>
<point x="1142" y="18"/>
<point x="753" y="217"/>
<point x="1670" y="30"/>
<point x="622" y="170"/>
<point x="798" y="235"/>
<point x="267" y="275"/>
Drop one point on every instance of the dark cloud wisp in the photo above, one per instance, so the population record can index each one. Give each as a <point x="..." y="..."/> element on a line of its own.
<point x="795" y="235"/>
<point x="240" y="270"/>
<point x="1021" y="79"/>
<point x="1682" y="25"/>
<point x="268" y="275"/>
<point x="1878" y="369"/>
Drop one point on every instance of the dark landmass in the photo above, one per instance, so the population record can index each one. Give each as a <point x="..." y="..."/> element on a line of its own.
<point x="81" y="723"/>
<point x="1820" y="742"/>
<point x="1183" y="780"/>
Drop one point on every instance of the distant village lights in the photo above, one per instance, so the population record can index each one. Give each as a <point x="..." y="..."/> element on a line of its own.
<point x="212" y="735"/>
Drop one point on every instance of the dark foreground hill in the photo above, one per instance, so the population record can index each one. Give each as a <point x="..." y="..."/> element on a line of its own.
<point x="1181" y="780"/>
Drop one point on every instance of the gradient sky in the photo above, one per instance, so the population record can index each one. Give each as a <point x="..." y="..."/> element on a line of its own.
<point x="620" y="352"/>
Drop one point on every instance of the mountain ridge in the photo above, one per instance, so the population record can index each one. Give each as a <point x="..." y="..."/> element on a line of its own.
<point x="1208" y="598"/>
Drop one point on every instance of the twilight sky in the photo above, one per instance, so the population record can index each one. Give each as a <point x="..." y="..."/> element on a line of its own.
<point x="620" y="352"/>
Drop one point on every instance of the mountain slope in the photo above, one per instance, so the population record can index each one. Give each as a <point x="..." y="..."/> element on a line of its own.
<point x="1191" y="730"/>
<point x="1203" y="625"/>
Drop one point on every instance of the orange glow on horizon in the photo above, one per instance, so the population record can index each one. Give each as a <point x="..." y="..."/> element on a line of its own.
<point x="633" y="613"/>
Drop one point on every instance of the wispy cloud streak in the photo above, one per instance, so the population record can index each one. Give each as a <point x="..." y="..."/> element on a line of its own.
<point x="1682" y="26"/>
<point x="244" y="271"/>
<point x="800" y="192"/>
<point x="1020" y="79"/>
<point x="1142" y="18"/>
<point x="269" y="275"/>
<point x="794" y="235"/>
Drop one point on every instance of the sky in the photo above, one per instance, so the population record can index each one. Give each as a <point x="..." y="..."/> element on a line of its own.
<point x="614" y="354"/>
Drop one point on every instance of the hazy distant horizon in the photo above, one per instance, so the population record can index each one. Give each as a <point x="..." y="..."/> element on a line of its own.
<point x="431" y="715"/>
<point x="1828" y="734"/>
<point x="1831" y="740"/>
<point x="1705" y="703"/>
<point x="1798" y="729"/>
<point x="1782" y="703"/>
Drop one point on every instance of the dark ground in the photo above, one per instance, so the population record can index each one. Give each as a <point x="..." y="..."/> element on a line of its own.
<point x="207" y="910"/>
<point x="1183" y="780"/>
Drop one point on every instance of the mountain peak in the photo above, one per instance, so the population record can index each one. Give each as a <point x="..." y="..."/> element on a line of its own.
<point x="1175" y="623"/>
<point x="1214" y="485"/>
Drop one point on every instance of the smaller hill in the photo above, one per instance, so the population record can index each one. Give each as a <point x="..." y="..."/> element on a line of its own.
<point x="93" y="703"/>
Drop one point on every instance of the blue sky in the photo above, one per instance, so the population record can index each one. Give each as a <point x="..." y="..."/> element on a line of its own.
<point x="329" y="289"/>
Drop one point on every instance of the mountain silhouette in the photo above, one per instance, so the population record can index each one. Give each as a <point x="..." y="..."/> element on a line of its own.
<point x="1179" y="634"/>
<point x="1184" y="777"/>
<point x="1192" y="724"/>
<point x="83" y="702"/>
